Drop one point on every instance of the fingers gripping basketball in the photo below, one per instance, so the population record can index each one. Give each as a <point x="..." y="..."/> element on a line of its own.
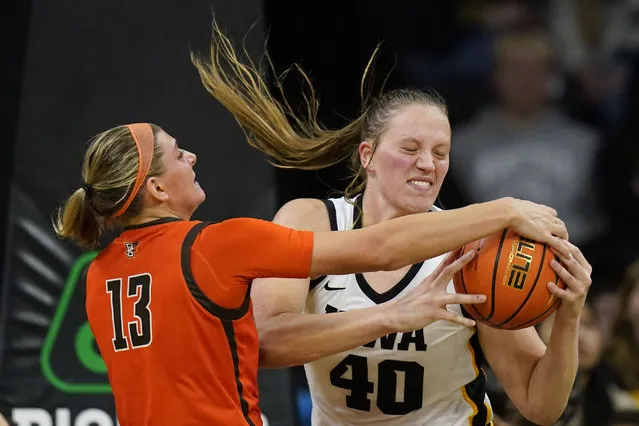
<point x="513" y="272"/>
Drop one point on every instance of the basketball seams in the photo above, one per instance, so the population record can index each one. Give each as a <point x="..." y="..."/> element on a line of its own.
<point x="463" y="283"/>
<point x="530" y="291"/>
<point x="495" y="268"/>
<point x="542" y="316"/>
<point x="549" y="310"/>
<point x="516" y="308"/>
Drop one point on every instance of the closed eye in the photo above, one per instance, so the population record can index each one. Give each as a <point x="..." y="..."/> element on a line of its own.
<point x="441" y="155"/>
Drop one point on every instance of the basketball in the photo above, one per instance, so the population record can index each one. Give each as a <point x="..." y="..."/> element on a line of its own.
<point x="513" y="272"/>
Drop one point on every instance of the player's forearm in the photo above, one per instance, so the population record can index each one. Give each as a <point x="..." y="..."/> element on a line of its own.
<point x="289" y="339"/>
<point x="436" y="233"/>
<point x="407" y="240"/>
<point x="554" y="375"/>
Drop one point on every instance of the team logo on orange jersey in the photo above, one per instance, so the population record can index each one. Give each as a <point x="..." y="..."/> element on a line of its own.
<point x="130" y="248"/>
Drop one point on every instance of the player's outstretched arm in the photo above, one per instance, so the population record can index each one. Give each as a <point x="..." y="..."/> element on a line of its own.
<point x="289" y="337"/>
<point x="406" y="240"/>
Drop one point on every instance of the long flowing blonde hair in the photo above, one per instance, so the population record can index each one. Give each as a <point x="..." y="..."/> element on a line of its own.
<point x="290" y="140"/>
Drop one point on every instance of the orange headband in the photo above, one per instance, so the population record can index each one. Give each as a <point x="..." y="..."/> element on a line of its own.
<point x="145" y="143"/>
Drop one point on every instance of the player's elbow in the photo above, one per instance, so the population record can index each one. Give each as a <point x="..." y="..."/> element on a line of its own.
<point x="547" y="416"/>
<point x="269" y="359"/>
<point x="273" y="351"/>
<point x="546" y="411"/>
<point x="268" y="353"/>
<point x="270" y="356"/>
<point x="543" y="419"/>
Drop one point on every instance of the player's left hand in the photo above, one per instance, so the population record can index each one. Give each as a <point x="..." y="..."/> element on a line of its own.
<point x="575" y="272"/>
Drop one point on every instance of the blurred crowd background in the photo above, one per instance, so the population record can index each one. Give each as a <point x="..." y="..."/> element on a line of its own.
<point x="544" y="105"/>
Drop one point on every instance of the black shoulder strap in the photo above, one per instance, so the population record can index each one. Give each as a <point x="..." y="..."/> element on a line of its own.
<point x="194" y="288"/>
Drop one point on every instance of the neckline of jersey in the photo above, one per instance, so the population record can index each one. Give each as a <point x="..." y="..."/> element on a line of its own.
<point x="369" y="291"/>
<point x="160" y="221"/>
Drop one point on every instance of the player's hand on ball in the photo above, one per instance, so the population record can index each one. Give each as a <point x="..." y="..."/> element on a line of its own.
<point x="539" y="223"/>
<point x="427" y="302"/>
<point x="575" y="271"/>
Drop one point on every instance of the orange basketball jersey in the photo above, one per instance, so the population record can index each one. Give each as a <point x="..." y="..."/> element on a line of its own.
<point x="169" y="305"/>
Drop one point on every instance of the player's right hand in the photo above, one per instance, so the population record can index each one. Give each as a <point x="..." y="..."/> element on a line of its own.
<point x="427" y="302"/>
<point x="539" y="223"/>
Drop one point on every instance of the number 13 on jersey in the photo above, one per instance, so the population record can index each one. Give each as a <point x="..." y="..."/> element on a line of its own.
<point x="140" y="333"/>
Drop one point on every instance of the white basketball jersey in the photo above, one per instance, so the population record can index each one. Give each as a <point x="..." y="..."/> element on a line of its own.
<point x="427" y="377"/>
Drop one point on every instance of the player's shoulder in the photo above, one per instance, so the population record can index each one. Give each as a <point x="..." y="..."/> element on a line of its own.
<point x="230" y="227"/>
<point x="304" y="213"/>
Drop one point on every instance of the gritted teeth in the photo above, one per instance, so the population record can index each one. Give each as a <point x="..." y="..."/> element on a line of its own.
<point x="420" y="183"/>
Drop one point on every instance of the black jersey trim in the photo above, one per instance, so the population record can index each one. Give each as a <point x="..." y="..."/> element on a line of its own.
<point x="332" y="217"/>
<point x="476" y="389"/>
<point x="332" y="213"/>
<point x="393" y="291"/>
<point x="361" y="280"/>
<point x="229" y="330"/>
<point x="153" y="223"/>
<point x="194" y="288"/>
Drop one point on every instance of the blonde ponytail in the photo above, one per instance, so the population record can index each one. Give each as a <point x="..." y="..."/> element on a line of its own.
<point x="77" y="221"/>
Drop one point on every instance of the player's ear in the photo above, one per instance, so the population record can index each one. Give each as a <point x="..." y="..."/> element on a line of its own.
<point x="156" y="189"/>
<point x="366" y="151"/>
